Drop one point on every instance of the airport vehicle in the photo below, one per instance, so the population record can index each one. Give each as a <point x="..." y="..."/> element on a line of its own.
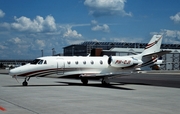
<point x="87" y="67"/>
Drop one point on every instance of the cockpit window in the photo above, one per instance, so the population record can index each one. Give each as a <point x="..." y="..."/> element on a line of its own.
<point x="35" y="61"/>
<point x="45" y="62"/>
<point x="40" y="62"/>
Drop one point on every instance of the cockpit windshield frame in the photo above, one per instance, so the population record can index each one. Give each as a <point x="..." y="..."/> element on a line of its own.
<point x="38" y="61"/>
<point x="35" y="61"/>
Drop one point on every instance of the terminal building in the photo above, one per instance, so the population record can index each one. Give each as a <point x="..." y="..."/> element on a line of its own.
<point x="171" y="60"/>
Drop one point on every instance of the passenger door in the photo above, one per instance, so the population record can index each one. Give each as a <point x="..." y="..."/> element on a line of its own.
<point x="60" y="66"/>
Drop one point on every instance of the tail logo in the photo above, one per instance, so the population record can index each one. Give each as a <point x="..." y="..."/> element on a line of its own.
<point x="153" y="43"/>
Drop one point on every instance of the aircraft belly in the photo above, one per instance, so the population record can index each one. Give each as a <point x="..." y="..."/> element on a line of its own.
<point x="64" y="72"/>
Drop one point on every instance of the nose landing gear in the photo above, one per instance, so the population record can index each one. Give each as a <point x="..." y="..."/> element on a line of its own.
<point x="25" y="83"/>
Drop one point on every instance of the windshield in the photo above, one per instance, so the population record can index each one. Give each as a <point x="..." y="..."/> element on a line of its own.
<point x="39" y="61"/>
<point x="35" y="61"/>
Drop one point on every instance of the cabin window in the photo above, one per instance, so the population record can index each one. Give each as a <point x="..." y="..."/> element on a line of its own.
<point x="101" y="62"/>
<point x="68" y="62"/>
<point x="92" y="62"/>
<point x="84" y="62"/>
<point x="76" y="62"/>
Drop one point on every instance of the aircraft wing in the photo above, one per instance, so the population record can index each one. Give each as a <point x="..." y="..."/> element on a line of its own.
<point x="109" y="75"/>
<point x="160" y="53"/>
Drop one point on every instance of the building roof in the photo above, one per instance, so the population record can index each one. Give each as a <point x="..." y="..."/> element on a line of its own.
<point x="123" y="45"/>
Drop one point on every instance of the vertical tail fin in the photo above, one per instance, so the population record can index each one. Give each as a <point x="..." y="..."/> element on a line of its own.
<point x="153" y="46"/>
<point x="151" y="51"/>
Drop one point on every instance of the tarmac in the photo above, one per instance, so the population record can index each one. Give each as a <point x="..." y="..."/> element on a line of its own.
<point x="142" y="93"/>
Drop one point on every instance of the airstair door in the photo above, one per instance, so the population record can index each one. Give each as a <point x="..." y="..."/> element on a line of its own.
<point x="60" y="66"/>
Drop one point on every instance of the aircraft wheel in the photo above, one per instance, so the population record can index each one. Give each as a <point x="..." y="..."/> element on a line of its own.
<point x="84" y="81"/>
<point x="105" y="81"/>
<point x="24" y="83"/>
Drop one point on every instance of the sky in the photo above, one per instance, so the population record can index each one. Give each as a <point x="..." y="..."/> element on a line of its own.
<point x="29" y="26"/>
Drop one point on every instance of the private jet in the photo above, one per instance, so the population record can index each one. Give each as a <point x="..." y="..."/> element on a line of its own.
<point x="87" y="67"/>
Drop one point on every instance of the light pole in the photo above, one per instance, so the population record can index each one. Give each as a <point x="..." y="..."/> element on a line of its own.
<point x="53" y="51"/>
<point x="73" y="51"/>
<point x="41" y="53"/>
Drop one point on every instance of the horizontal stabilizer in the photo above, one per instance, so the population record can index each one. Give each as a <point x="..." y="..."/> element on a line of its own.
<point x="160" y="53"/>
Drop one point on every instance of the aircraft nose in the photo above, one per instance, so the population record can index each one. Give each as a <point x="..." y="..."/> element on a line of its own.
<point x="13" y="72"/>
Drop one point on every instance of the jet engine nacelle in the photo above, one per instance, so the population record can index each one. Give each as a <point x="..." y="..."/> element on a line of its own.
<point x="156" y="65"/>
<point x="122" y="62"/>
<point x="159" y="62"/>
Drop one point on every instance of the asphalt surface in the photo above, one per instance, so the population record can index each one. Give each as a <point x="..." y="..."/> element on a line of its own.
<point x="151" y="79"/>
<point x="135" y="94"/>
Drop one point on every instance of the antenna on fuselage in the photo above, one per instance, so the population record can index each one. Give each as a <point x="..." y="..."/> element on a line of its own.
<point x="88" y="55"/>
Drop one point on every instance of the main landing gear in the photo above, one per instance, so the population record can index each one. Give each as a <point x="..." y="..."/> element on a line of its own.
<point x="84" y="81"/>
<point x="25" y="83"/>
<point x="105" y="81"/>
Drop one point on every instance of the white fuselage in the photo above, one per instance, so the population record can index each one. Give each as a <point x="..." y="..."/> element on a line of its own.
<point x="58" y="66"/>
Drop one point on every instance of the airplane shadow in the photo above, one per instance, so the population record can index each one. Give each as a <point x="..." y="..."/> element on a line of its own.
<point x="117" y="83"/>
<point x="43" y="85"/>
<point x="62" y="83"/>
<point x="110" y="86"/>
<point x="148" y="82"/>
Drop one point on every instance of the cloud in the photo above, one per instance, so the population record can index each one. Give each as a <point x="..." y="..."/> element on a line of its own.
<point x="96" y="27"/>
<point x="171" y="33"/>
<point x="104" y="28"/>
<point x="169" y="36"/>
<point x="2" y="47"/>
<point x="26" y="37"/>
<point x="40" y="43"/>
<point x="39" y="24"/>
<point x="126" y="39"/>
<point x="16" y="46"/>
<point x="106" y="7"/>
<point x="5" y="26"/>
<point x="17" y="40"/>
<point x="72" y="36"/>
<point x="1" y="13"/>
<point x="71" y="33"/>
<point x="176" y="18"/>
<point x="94" y="22"/>
<point x="71" y="41"/>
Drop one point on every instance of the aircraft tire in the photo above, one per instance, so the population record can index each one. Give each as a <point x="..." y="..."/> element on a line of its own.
<point x="84" y="81"/>
<point x="24" y="83"/>
<point x="105" y="81"/>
